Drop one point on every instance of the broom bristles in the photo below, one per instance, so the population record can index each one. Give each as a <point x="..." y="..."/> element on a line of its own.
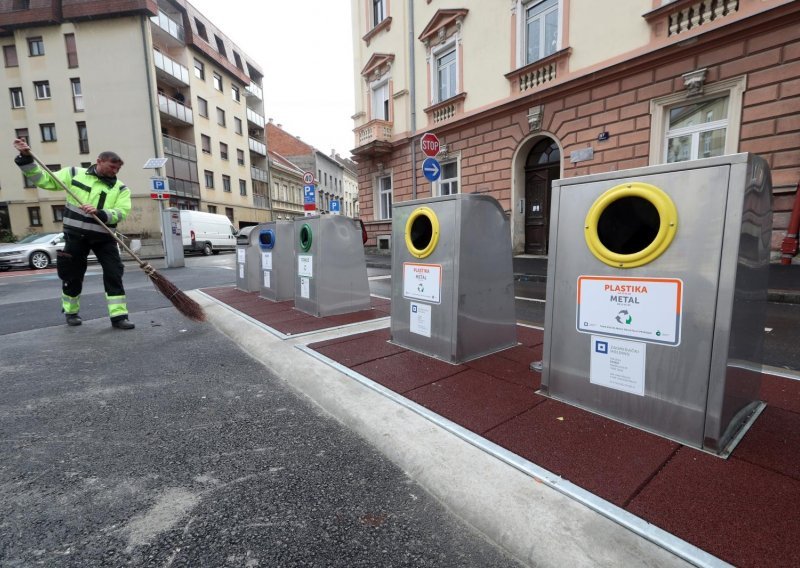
<point x="183" y="303"/>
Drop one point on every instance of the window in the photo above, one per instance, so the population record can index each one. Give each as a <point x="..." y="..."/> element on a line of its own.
<point x="699" y="127"/>
<point x="48" y="132"/>
<point x="448" y="182"/>
<point x="696" y="130"/>
<point x="199" y="70"/>
<point x="209" y="177"/>
<point x="237" y="125"/>
<point x="17" y="100"/>
<point x="35" y="46"/>
<point x="77" y="95"/>
<point x="42" y="89"/>
<point x="202" y="107"/>
<point x="220" y="45"/>
<point x="242" y="187"/>
<point x="385" y="197"/>
<point x="83" y="137"/>
<point x="380" y="101"/>
<point x="541" y="29"/>
<point x="240" y="157"/>
<point x="205" y="143"/>
<point x="229" y="213"/>
<point x="212" y="209"/>
<point x="217" y="81"/>
<point x="226" y="183"/>
<point x="34" y="217"/>
<point x="10" y="55"/>
<point x="220" y="117"/>
<point x="238" y="60"/>
<point x="378" y="11"/>
<point x="446" y="74"/>
<point x="58" y="213"/>
<point x="72" y="50"/>
<point x="201" y="29"/>
<point x="235" y="93"/>
<point x="223" y="150"/>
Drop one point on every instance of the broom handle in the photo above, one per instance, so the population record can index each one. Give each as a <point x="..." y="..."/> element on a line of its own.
<point x="111" y="231"/>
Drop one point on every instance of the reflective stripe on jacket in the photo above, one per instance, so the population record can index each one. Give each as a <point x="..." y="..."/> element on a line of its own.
<point x="111" y="199"/>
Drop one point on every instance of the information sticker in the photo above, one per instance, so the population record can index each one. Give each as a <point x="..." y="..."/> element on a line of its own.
<point x="420" y="320"/>
<point x="643" y="309"/>
<point x="266" y="260"/>
<point x="240" y="254"/>
<point x="267" y="279"/>
<point x="241" y="270"/>
<point x="422" y="282"/>
<point x="305" y="287"/>
<point x="617" y="364"/>
<point x="305" y="265"/>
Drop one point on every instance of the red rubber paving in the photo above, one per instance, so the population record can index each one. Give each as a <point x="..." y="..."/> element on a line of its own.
<point x="744" y="514"/>
<point x="522" y="354"/>
<point x="352" y="353"/>
<point x="475" y="400"/>
<point x="781" y="392"/>
<point x="502" y="368"/>
<point x="608" y="458"/>
<point x="772" y="442"/>
<point x="383" y="334"/>
<point x="529" y="337"/>
<point x="407" y="370"/>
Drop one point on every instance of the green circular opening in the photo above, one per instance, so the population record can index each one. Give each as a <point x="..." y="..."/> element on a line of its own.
<point x="628" y="225"/>
<point x="421" y="232"/>
<point x="305" y="237"/>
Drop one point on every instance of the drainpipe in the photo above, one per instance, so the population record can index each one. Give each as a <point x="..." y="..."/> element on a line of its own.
<point x="153" y="103"/>
<point x="413" y="91"/>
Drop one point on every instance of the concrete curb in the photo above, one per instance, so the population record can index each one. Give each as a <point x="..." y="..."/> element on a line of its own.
<point x="528" y="519"/>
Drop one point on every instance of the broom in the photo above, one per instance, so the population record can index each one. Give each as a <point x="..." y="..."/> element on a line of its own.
<point x="181" y="301"/>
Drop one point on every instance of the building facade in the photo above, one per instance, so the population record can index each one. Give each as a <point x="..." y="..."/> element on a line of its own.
<point x="286" y="188"/>
<point x="523" y="92"/>
<point x="350" y="185"/>
<point x="146" y="79"/>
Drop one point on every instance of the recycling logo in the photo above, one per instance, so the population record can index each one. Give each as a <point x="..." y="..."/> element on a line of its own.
<point x="624" y="317"/>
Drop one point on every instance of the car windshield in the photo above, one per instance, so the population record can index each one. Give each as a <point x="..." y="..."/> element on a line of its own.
<point x="37" y="239"/>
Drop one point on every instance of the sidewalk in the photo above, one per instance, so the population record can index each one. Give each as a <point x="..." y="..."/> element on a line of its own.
<point x="703" y="509"/>
<point x="784" y="281"/>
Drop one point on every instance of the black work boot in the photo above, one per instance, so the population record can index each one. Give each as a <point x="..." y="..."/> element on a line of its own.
<point x="73" y="319"/>
<point x="123" y="324"/>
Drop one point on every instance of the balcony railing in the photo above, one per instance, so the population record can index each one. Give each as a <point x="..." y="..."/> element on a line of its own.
<point x="374" y="131"/>
<point x="255" y="90"/>
<point x="173" y="108"/>
<point x="255" y="118"/>
<point x="179" y="148"/>
<point x="258" y="174"/>
<point x="258" y="147"/>
<point x="539" y="72"/>
<point x="171" y="67"/>
<point x="261" y="201"/>
<point x="169" y="25"/>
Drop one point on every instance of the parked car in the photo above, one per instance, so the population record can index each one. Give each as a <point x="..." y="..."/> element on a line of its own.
<point x="34" y="251"/>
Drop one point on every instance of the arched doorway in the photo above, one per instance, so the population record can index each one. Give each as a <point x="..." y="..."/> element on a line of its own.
<point x="542" y="166"/>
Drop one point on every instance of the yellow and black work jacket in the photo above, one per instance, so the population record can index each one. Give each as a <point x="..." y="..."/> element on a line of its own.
<point x="111" y="197"/>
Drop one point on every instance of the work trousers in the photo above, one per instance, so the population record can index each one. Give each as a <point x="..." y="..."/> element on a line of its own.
<point x="72" y="268"/>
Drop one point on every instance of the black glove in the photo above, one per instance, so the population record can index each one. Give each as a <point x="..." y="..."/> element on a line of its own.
<point x="23" y="160"/>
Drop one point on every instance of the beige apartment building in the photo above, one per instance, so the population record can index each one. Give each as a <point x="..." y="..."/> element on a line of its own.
<point x="524" y="92"/>
<point x="286" y="188"/>
<point x="146" y="79"/>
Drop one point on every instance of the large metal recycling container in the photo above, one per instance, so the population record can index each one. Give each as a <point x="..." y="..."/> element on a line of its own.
<point x="656" y="296"/>
<point x="276" y="245"/>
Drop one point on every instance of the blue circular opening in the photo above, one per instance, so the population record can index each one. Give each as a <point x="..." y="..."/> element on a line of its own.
<point x="266" y="239"/>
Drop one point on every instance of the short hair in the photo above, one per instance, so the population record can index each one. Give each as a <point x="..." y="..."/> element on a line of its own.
<point x="109" y="156"/>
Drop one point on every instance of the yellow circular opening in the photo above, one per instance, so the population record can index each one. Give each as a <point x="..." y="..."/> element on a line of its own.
<point x="422" y="232"/>
<point x="630" y="225"/>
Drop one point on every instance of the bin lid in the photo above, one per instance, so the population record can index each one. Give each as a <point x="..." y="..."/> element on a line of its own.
<point x="243" y="236"/>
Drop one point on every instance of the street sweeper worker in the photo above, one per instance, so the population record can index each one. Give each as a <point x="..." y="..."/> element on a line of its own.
<point x="101" y="194"/>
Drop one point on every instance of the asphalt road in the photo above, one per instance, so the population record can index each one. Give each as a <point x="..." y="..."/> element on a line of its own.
<point x="168" y="446"/>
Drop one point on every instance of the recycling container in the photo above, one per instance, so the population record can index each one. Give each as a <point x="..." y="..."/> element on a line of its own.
<point x="248" y="259"/>
<point x="276" y="245"/>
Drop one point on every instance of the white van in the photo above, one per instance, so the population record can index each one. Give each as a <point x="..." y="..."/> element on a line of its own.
<point x="206" y="232"/>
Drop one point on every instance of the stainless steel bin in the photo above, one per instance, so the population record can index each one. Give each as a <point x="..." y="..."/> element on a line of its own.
<point x="656" y="296"/>
<point x="248" y="259"/>
<point x="331" y="271"/>
<point x="276" y="243"/>
<point x="452" y="277"/>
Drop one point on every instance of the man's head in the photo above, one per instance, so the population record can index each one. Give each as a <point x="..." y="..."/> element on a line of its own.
<point x="108" y="164"/>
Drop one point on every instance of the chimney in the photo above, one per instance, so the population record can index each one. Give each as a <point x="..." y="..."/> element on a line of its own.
<point x="270" y="121"/>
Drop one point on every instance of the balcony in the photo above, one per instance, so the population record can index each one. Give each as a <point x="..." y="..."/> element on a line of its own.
<point x="258" y="147"/>
<point x="172" y="28"/>
<point x="170" y="71"/>
<point x="258" y="174"/>
<point x="175" y="112"/>
<point x="374" y="138"/>
<point x="179" y="148"/>
<point x="445" y="110"/>
<point x="255" y="118"/>
<point x="538" y="73"/>
<point x="254" y="90"/>
<point x="684" y="15"/>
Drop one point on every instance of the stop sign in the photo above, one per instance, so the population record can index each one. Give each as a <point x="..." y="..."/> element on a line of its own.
<point x="429" y="144"/>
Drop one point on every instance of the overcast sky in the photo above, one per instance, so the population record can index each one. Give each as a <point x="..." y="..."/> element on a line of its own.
<point x="305" y="50"/>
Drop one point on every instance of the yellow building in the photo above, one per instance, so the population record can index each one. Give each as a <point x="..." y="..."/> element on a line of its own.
<point x="144" y="79"/>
